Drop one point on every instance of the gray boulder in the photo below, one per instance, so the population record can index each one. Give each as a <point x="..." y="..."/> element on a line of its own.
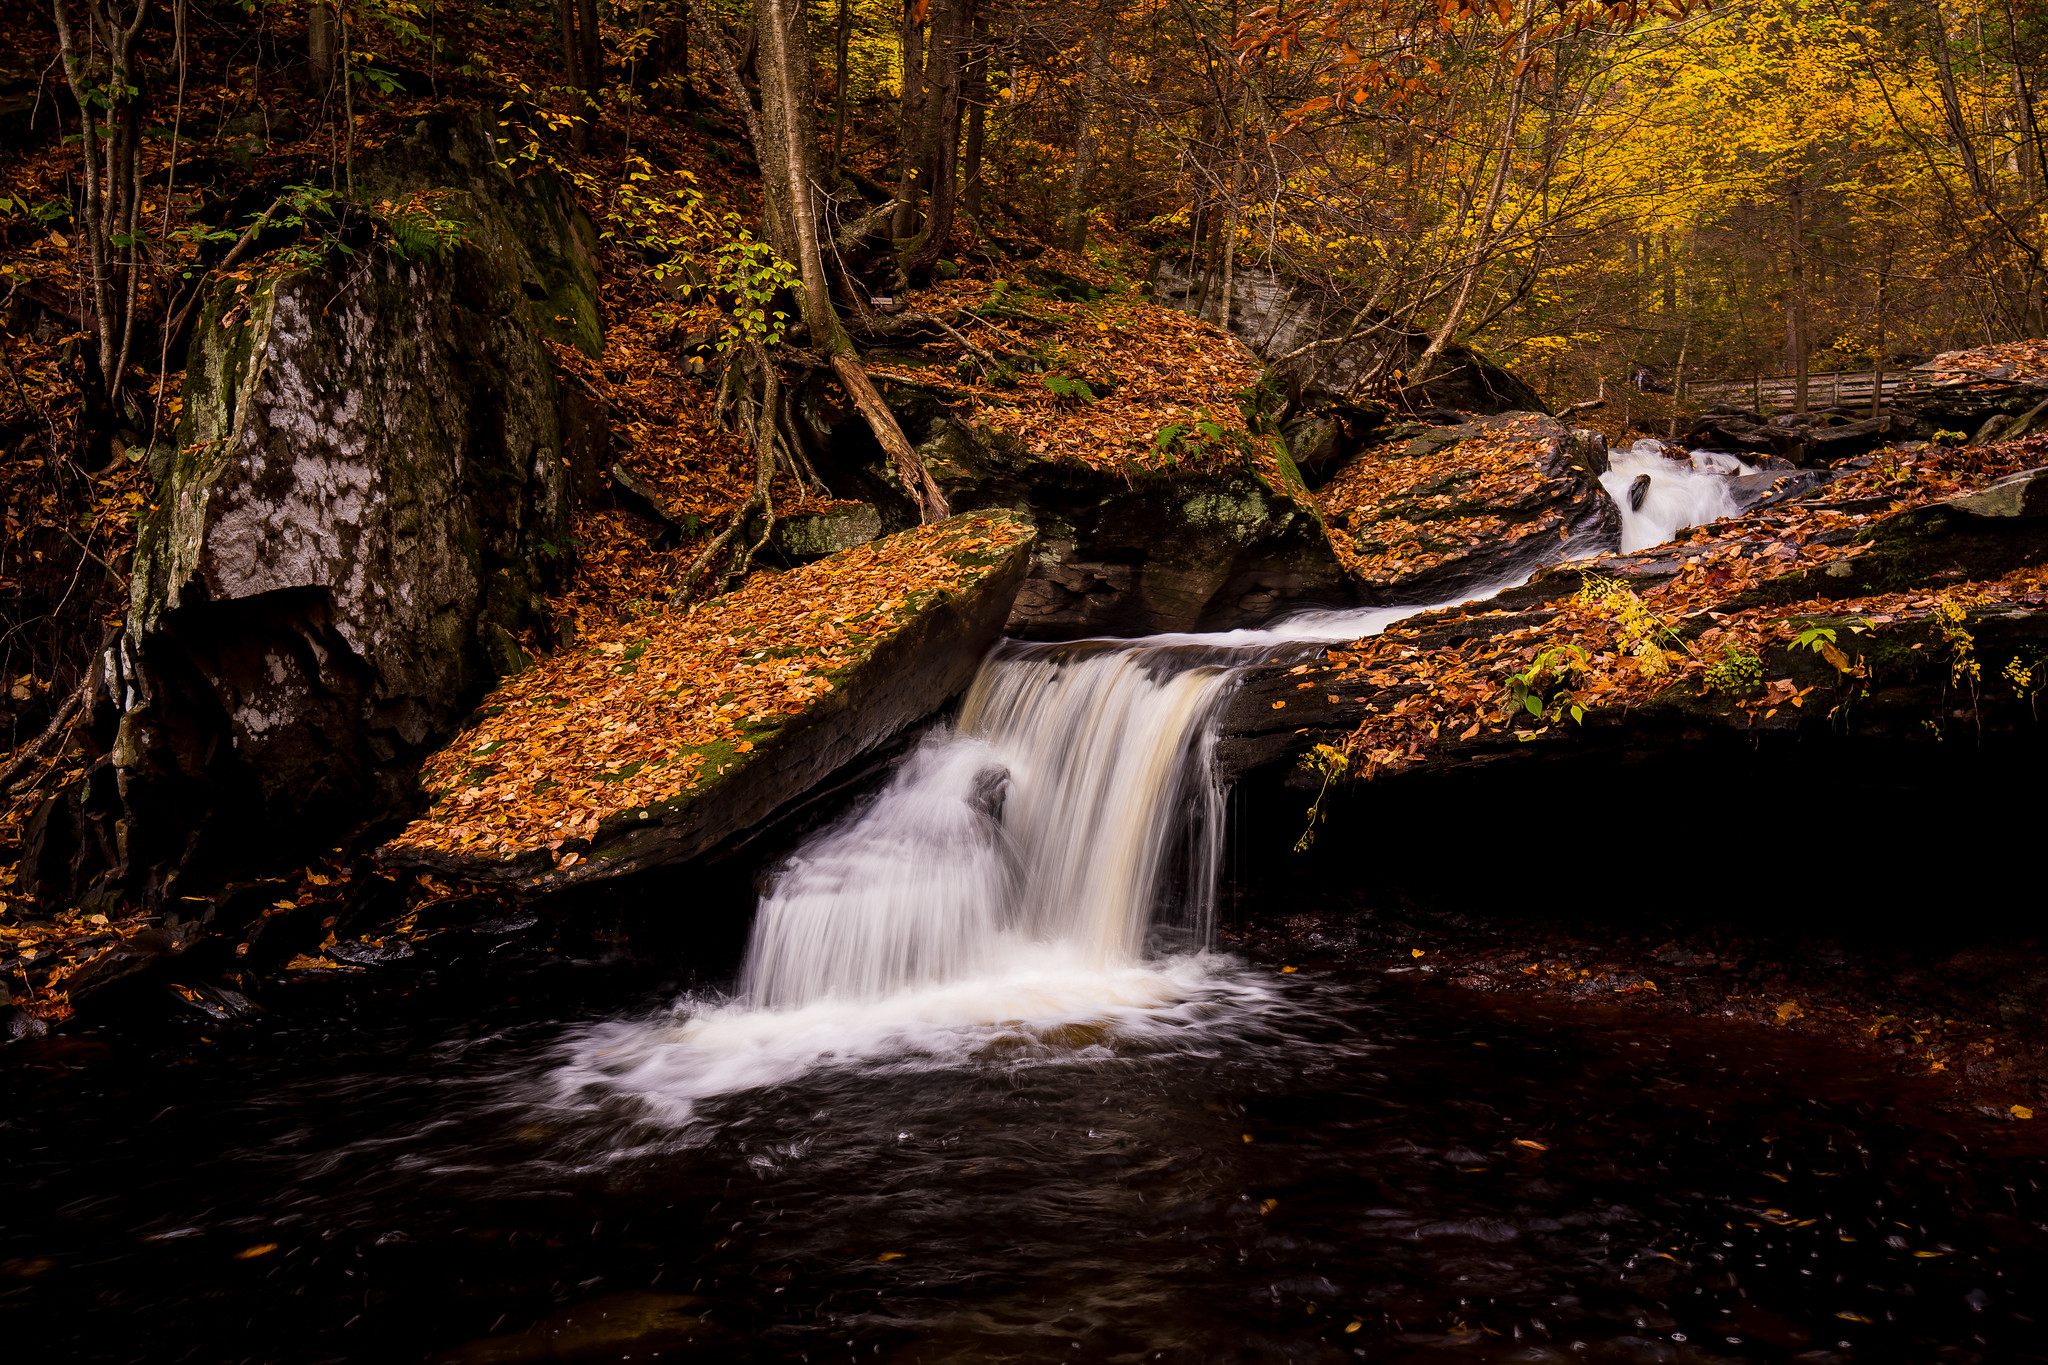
<point x="367" y="498"/>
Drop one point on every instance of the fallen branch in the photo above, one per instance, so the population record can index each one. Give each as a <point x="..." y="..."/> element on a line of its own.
<point x="917" y="480"/>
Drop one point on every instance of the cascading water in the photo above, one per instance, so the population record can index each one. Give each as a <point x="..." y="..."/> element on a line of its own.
<point x="1047" y="817"/>
<point x="1679" y="492"/>
<point x="1010" y="877"/>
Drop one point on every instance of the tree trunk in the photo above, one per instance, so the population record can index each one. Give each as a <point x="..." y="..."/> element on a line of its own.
<point x="568" y="29"/>
<point x="589" y="52"/>
<point x="940" y="154"/>
<point x="1086" y="133"/>
<point x="111" y="201"/>
<point x="1230" y="237"/>
<point x="1475" y="260"/>
<point x="320" y="45"/>
<point x="910" y="123"/>
<point x="788" y="152"/>
<point x="839" y="94"/>
<point x="1795" y="310"/>
<point x="975" y="92"/>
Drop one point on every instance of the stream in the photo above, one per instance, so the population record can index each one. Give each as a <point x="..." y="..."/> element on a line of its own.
<point x="982" y="1090"/>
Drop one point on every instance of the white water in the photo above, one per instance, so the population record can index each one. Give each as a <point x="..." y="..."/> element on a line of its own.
<point x="1683" y="492"/>
<point x="1037" y="878"/>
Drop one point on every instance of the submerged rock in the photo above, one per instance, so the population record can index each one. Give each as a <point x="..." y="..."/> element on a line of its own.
<point x="366" y="500"/>
<point x="620" y="1327"/>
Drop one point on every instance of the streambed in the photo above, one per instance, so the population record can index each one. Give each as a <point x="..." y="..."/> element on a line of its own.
<point x="1296" y="1166"/>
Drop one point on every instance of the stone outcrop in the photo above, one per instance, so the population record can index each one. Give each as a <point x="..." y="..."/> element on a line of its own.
<point x="1230" y="542"/>
<point x="918" y="651"/>
<point x="367" y="496"/>
<point x="1453" y="510"/>
<point x="1328" y="352"/>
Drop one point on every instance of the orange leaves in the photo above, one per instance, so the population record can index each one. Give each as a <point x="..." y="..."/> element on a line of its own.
<point x="649" y="709"/>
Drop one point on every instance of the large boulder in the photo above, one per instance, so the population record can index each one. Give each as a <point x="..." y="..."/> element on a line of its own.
<point x="1230" y="539"/>
<point x="1450" y="511"/>
<point x="654" y="741"/>
<point x="1157" y="550"/>
<point x="366" y="500"/>
<point x="1329" y="351"/>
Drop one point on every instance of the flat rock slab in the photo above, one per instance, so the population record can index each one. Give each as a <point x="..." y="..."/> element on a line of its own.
<point x="659" y="738"/>
<point x="1459" y="509"/>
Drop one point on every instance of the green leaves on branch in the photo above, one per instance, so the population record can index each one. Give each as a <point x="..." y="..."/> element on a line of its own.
<point x="1332" y="763"/>
<point x="752" y="274"/>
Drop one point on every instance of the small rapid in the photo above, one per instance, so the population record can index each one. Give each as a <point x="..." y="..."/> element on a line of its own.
<point x="1660" y="493"/>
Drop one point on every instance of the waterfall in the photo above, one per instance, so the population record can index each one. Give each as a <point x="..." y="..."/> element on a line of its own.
<point x="1050" y="814"/>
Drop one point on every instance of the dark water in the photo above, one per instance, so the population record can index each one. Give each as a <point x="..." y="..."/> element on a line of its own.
<point x="1347" y="1173"/>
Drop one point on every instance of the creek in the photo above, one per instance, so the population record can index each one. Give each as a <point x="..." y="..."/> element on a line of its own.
<point x="982" y="1089"/>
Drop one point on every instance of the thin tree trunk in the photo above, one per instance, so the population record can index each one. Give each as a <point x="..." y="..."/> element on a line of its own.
<point x="320" y="44"/>
<point x="940" y="153"/>
<point x="975" y="92"/>
<point x="910" y="123"/>
<point x="569" y="31"/>
<point x="1796" y="310"/>
<point x="788" y="152"/>
<point x="1230" y="239"/>
<point x="839" y="109"/>
<point x="1475" y="259"/>
<point x="1076" y="229"/>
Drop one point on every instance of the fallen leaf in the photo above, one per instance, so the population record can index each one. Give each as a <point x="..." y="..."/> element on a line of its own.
<point x="251" y="1253"/>
<point x="2020" y="1111"/>
<point x="1532" y="1146"/>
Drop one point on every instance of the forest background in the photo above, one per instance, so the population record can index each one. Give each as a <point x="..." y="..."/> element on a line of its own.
<point x="1590" y="193"/>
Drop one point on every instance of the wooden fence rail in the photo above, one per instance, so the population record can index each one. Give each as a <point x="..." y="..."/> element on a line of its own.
<point x="1822" y="390"/>
<point x="1833" y="389"/>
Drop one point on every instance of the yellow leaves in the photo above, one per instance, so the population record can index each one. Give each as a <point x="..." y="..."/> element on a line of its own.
<point x="1789" y="1010"/>
<point x="251" y="1253"/>
<point x="2020" y="1111"/>
<point x="1531" y="1145"/>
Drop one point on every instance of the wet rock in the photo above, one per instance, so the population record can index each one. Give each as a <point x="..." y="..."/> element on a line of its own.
<point x="368" y="499"/>
<point x="2020" y="496"/>
<point x="129" y="958"/>
<point x="643" y="1326"/>
<point x="1456" y="510"/>
<point x="1210" y="548"/>
<point x="369" y="953"/>
<point x="217" y="1003"/>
